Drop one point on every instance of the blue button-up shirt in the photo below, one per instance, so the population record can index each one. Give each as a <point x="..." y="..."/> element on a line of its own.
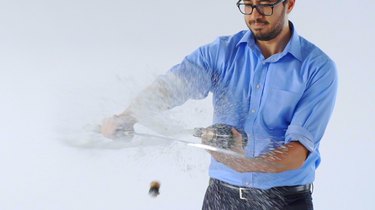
<point x="288" y="96"/>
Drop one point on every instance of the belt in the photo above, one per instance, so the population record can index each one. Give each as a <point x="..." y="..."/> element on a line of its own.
<point x="284" y="190"/>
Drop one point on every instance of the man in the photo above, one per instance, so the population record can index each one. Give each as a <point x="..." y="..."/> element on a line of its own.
<point x="268" y="81"/>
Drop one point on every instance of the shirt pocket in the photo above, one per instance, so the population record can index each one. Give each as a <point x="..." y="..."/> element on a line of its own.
<point x="277" y="109"/>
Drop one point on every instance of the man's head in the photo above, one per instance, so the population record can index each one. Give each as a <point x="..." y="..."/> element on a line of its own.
<point x="266" y="18"/>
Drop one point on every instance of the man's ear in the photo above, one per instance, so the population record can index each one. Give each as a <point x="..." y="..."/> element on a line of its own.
<point x="290" y="5"/>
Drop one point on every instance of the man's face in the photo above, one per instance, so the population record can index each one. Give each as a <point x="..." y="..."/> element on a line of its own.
<point x="266" y="28"/>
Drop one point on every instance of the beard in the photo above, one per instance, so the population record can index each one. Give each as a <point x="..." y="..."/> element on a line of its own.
<point x="269" y="35"/>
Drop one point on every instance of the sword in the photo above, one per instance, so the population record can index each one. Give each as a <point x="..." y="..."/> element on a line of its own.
<point x="187" y="143"/>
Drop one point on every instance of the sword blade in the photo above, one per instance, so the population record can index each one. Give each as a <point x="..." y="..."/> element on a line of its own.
<point x="191" y="144"/>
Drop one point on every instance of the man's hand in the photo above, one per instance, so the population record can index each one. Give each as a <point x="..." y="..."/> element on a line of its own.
<point x="118" y="127"/>
<point x="236" y="163"/>
<point x="237" y="145"/>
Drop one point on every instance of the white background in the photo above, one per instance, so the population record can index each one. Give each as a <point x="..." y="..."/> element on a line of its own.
<point x="66" y="65"/>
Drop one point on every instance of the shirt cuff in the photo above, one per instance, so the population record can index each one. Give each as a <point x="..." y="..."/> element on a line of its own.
<point x="298" y="133"/>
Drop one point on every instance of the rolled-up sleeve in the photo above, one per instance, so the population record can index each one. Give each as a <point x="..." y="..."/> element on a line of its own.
<point x="315" y="107"/>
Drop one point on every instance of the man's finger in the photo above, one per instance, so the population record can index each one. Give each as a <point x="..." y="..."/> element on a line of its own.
<point x="236" y="134"/>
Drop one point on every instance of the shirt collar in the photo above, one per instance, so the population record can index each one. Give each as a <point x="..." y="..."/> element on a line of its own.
<point x="293" y="47"/>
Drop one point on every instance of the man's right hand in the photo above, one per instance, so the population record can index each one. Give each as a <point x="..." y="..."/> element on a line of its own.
<point x="118" y="127"/>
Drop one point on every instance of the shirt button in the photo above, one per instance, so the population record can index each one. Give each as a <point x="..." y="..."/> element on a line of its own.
<point x="258" y="86"/>
<point x="253" y="111"/>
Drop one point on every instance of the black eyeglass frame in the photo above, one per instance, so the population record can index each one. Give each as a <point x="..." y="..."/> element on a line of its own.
<point x="257" y="6"/>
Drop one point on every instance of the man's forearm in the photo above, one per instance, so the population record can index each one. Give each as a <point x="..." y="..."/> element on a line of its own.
<point x="288" y="157"/>
<point x="152" y="99"/>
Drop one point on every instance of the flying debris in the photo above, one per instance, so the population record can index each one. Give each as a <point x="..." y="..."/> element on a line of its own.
<point x="154" y="189"/>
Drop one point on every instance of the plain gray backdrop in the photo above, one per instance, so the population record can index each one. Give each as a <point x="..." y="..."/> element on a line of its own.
<point x="66" y="65"/>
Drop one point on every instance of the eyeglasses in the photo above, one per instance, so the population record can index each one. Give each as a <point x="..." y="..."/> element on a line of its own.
<point x="263" y="9"/>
